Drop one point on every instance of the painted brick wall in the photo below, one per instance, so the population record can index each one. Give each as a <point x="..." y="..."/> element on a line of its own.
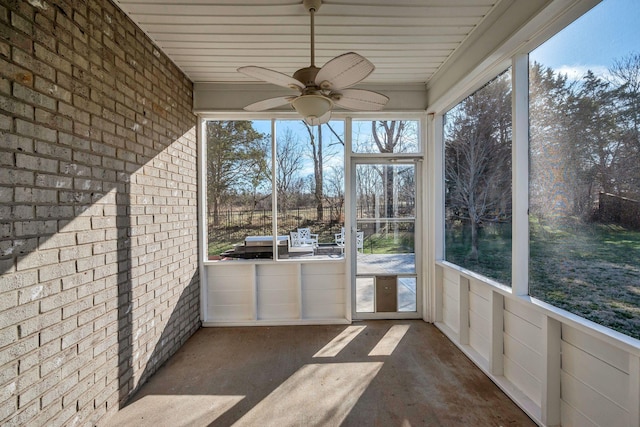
<point x="98" y="242"/>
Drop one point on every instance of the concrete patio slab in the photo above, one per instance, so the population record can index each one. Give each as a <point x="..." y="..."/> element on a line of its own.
<point x="374" y="373"/>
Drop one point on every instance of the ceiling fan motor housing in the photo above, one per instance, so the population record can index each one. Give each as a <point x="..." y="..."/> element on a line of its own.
<point x="307" y="76"/>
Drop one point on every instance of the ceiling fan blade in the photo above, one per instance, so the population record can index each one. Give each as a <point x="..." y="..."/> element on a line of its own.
<point x="271" y="76"/>
<point x="315" y="121"/>
<point x="359" y="99"/>
<point x="344" y="71"/>
<point x="267" y="104"/>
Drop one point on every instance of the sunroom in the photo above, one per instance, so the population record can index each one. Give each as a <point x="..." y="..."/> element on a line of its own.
<point x="484" y="179"/>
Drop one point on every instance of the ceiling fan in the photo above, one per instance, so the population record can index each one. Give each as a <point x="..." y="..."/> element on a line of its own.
<point x="320" y="88"/>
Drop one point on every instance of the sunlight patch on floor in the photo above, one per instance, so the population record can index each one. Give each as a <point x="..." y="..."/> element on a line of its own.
<point x="174" y="410"/>
<point x="341" y="341"/>
<point x="316" y="395"/>
<point x="364" y="295"/>
<point x="389" y="341"/>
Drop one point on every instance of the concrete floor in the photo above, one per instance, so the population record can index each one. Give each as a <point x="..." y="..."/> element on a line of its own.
<point x="375" y="373"/>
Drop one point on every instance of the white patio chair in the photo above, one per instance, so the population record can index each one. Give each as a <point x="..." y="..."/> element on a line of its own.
<point x="339" y="239"/>
<point x="294" y="240"/>
<point x="360" y="241"/>
<point x="306" y="237"/>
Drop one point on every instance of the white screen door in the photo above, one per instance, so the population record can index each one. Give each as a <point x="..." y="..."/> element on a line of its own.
<point x="385" y="238"/>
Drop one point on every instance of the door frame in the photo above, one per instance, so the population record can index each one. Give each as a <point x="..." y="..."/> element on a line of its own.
<point x="386" y="159"/>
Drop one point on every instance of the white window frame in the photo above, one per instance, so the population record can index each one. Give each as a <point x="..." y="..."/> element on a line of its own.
<point x="516" y="57"/>
<point x="273" y="117"/>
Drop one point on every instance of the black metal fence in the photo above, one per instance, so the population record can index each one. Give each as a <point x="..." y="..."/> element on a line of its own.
<point x="234" y="225"/>
<point x="260" y="222"/>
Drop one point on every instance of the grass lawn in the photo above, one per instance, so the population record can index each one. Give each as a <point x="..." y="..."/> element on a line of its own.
<point x="592" y="270"/>
<point x="387" y="243"/>
<point x="383" y="242"/>
<point x="223" y="238"/>
<point x="494" y="249"/>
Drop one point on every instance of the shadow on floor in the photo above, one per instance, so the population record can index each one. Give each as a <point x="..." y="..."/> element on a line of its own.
<point x="176" y="330"/>
<point x="387" y="373"/>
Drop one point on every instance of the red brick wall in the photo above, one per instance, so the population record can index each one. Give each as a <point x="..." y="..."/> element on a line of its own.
<point x="98" y="231"/>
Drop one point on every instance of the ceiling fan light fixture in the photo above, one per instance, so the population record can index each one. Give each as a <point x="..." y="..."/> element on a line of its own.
<point x="312" y="107"/>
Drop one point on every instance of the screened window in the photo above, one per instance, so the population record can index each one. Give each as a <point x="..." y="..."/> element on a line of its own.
<point x="584" y="184"/>
<point x="238" y="182"/>
<point x="477" y="134"/>
<point x="385" y="136"/>
<point x="244" y="184"/>
<point x="310" y="186"/>
<point x="386" y="193"/>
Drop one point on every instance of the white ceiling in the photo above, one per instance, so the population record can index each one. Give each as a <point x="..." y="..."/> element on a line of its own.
<point x="407" y="40"/>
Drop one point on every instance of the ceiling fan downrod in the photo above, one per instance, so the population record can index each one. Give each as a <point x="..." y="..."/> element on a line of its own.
<point x="312" y="6"/>
<point x="320" y="89"/>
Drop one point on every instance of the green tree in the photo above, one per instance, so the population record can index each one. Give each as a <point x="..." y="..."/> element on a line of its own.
<point x="236" y="158"/>
<point x="625" y="78"/>
<point x="584" y="138"/>
<point x="553" y="170"/>
<point x="594" y="136"/>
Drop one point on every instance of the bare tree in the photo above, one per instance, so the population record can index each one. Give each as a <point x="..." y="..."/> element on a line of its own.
<point x="319" y="157"/>
<point x="368" y="186"/>
<point x="478" y="155"/>
<point x="257" y="176"/>
<point x="388" y="137"/>
<point x="625" y="77"/>
<point x="289" y="163"/>
<point x="318" y="171"/>
<point x="335" y="191"/>
<point x="405" y="189"/>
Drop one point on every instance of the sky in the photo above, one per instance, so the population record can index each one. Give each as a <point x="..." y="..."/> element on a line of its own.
<point x="609" y="31"/>
<point x="302" y="136"/>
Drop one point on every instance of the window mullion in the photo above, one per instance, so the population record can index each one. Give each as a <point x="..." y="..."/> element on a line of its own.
<point x="274" y="195"/>
<point x="520" y="174"/>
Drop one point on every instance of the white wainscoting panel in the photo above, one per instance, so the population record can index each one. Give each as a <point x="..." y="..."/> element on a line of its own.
<point x="266" y="292"/>
<point x="479" y="319"/>
<point x="323" y="290"/>
<point x="559" y="368"/>
<point x="230" y="296"/>
<point x="522" y="346"/>
<point x="451" y="300"/>
<point x="277" y="291"/>
<point x="596" y="373"/>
